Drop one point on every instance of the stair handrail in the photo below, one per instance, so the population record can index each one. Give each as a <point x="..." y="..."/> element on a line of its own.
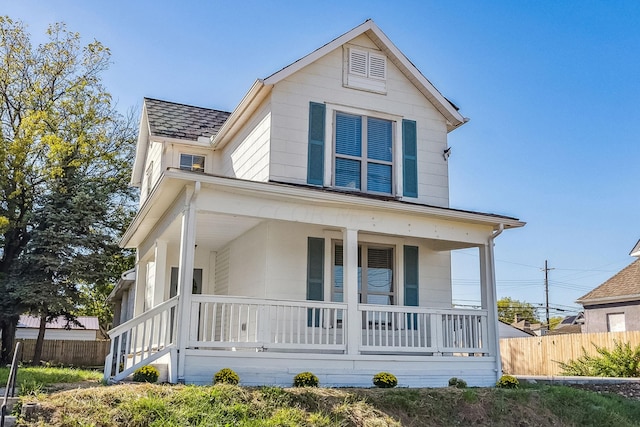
<point x="11" y="383"/>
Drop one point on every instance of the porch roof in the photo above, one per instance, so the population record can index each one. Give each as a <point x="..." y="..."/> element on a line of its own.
<point x="173" y="182"/>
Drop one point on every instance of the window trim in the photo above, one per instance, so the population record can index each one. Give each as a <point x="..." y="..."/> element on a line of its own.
<point x="193" y="156"/>
<point x="363" y="158"/>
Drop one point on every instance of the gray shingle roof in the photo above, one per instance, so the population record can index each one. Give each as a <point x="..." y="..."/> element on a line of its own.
<point x="625" y="283"/>
<point x="173" y="120"/>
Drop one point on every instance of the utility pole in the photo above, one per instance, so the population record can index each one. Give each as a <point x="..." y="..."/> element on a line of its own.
<point x="546" y="290"/>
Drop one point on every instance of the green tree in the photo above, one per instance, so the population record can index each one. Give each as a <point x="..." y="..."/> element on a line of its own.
<point x="511" y="310"/>
<point x="555" y="321"/>
<point x="64" y="165"/>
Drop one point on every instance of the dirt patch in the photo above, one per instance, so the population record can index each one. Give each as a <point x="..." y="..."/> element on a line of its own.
<point x="71" y="386"/>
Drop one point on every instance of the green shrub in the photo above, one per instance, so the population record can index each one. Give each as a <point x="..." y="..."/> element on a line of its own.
<point x="226" y="376"/>
<point x="622" y="361"/>
<point x="305" y="379"/>
<point x="146" y="374"/>
<point x="507" y="381"/>
<point x="385" y="380"/>
<point x="457" y="383"/>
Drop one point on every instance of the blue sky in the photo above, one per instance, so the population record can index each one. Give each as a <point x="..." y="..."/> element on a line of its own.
<point x="551" y="88"/>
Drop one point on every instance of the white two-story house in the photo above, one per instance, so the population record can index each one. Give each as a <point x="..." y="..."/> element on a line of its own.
<point x="308" y="230"/>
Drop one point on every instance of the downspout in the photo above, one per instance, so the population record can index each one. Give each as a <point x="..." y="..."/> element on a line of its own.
<point x="496" y="327"/>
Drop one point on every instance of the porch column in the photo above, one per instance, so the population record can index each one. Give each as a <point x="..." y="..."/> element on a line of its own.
<point x="185" y="277"/>
<point x="161" y="272"/>
<point x="350" y="271"/>
<point x="140" y="287"/>
<point x="490" y="302"/>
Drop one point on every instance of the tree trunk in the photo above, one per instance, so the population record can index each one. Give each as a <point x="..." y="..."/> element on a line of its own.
<point x="8" y="326"/>
<point x="37" y="353"/>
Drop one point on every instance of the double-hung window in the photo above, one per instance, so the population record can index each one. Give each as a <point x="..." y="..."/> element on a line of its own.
<point x="375" y="274"/>
<point x="192" y="162"/>
<point x="363" y="153"/>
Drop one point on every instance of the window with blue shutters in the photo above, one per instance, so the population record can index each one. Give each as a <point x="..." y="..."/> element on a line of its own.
<point x="363" y="153"/>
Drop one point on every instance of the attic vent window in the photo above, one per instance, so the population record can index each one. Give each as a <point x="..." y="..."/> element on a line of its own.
<point x="192" y="162"/>
<point x="365" y="69"/>
<point x="358" y="62"/>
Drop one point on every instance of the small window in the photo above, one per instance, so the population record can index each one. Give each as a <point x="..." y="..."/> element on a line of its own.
<point x="191" y="162"/>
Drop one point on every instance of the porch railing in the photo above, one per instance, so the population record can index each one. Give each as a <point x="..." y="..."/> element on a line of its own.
<point x="238" y="322"/>
<point x="423" y="330"/>
<point x="234" y="323"/>
<point x="141" y="339"/>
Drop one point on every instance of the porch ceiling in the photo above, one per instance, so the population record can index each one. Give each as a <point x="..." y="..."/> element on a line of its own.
<point x="214" y="231"/>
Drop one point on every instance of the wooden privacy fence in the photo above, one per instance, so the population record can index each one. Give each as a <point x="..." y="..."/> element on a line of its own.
<point x="540" y="355"/>
<point x="68" y="352"/>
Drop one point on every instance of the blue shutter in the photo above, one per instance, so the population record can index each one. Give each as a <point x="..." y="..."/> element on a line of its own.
<point x="315" y="277"/>
<point x="410" y="159"/>
<point x="315" y="159"/>
<point x="411" y="283"/>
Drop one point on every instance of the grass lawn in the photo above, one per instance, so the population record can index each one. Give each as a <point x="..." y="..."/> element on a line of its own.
<point x="33" y="376"/>
<point x="142" y="405"/>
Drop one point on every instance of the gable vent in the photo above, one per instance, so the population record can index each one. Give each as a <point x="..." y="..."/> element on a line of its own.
<point x="377" y="66"/>
<point x="358" y="62"/>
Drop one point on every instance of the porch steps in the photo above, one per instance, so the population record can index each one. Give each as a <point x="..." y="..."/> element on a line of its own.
<point x="9" y="421"/>
<point x="163" y="369"/>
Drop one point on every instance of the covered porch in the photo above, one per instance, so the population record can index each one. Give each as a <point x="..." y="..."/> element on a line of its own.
<point x="271" y="280"/>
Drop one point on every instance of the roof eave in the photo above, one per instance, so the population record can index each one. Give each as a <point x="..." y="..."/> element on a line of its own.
<point x="453" y="117"/>
<point x="608" y="300"/>
<point x="141" y="148"/>
<point x="252" y="99"/>
<point x="348" y="199"/>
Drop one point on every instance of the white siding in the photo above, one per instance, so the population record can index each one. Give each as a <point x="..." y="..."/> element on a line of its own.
<point x="322" y="82"/>
<point x="247" y="263"/>
<point x="247" y="155"/>
<point x="154" y="154"/>
<point x="333" y="370"/>
<point x="287" y="260"/>
<point x="222" y="272"/>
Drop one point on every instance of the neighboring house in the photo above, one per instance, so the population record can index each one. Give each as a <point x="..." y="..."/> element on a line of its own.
<point x="569" y="325"/>
<point x="614" y="306"/>
<point x="87" y="328"/>
<point x="506" y="330"/>
<point x="122" y="298"/>
<point x="530" y="328"/>
<point x="308" y="230"/>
